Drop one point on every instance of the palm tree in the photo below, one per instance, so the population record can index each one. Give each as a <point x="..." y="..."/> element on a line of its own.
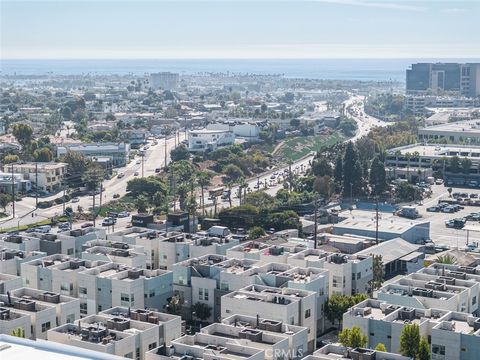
<point x="242" y="184"/>
<point x="204" y="180"/>
<point x="446" y="259"/>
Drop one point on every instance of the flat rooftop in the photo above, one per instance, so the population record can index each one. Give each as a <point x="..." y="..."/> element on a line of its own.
<point x="439" y="150"/>
<point x="469" y="126"/>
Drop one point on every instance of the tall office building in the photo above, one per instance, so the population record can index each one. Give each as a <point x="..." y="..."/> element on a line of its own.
<point x="440" y="77"/>
<point x="164" y="80"/>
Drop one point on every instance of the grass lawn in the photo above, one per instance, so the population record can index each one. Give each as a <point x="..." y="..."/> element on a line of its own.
<point x="297" y="147"/>
<point x="125" y="203"/>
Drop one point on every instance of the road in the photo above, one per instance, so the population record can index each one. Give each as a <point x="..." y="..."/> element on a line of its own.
<point x="271" y="181"/>
<point x="154" y="158"/>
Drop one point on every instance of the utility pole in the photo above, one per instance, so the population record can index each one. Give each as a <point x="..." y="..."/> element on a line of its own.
<point x="94" y="212"/>
<point x="376" y="218"/>
<point x="13" y="193"/>
<point x="63" y="184"/>
<point x="165" y="150"/>
<point x="315" y="230"/>
<point x="36" y="185"/>
<point x="101" y="194"/>
<point x="143" y="160"/>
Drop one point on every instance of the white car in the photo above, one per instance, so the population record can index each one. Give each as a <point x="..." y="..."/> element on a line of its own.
<point x="75" y="200"/>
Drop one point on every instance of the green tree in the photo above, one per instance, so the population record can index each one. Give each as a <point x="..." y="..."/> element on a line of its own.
<point x="256" y="232"/>
<point x="179" y="153"/>
<point x="174" y="305"/>
<point x="147" y="186"/>
<point x="259" y="199"/>
<point x="338" y="170"/>
<point x="466" y="164"/>
<point x="454" y="164"/>
<point x="5" y="199"/>
<point x="324" y="186"/>
<point x="423" y="350"/>
<point x="23" y="133"/>
<point x="337" y="305"/>
<point x="352" y="171"/>
<point x="410" y="340"/>
<point x="43" y="155"/>
<point x="141" y="204"/>
<point x="78" y="164"/>
<point x="446" y="259"/>
<point x="406" y="192"/>
<point x="322" y="168"/>
<point x="380" y="347"/>
<point x="18" y="332"/>
<point x="204" y="179"/>
<point x="353" y="337"/>
<point x="233" y="173"/>
<point x="378" y="272"/>
<point x="202" y="311"/>
<point x="10" y="158"/>
<point x="378" y="178"/>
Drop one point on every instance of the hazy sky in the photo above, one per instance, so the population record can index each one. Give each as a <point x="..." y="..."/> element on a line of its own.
<point x="239" y="29"/>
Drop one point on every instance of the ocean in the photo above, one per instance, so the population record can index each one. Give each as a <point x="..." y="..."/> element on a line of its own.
<point x="328" y="69"/>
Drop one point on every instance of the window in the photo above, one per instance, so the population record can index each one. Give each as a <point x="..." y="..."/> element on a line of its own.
<point x="70" y="251"/>
<point x="99" y="307"/>
<point x="308" y="313"/>
<point x="227" y="311"/>
<point x="205" y="294"/>
<point x="70" y="318"/>
<point x="46" y="326"/>
<point x="82" y="292"/>
<point x="224" y="287"/>
<point x="152" y="346"/>
<point x="124" y="299"/>
<point x="137" y="353"/>
<point x="359" y="275"/>
<point x="438" y="349"/>
<point x="151" y="293"/>
<point x="200" y="293"/>
<point x="83" y="308"/>
<point x="474" y="300"/>
<point x="66" y="288"/>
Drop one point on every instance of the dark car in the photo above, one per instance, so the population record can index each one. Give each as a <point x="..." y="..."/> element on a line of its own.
<point x="433" y="209"/>
<point x="86" y="225"/>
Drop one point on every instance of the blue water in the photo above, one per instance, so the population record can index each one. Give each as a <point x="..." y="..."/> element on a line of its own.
<point x="338" y="69"/>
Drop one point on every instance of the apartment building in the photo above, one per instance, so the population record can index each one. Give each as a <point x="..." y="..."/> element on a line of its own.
<point x="209" y="140"/>
<point x="292" y="306"/>
<point x="10" y="183"/>
<point x="204" y="245"/>
<point x="12" y="321"/>
<point x="42" y="316"/>
<point x="67" y="308"/>
<point x="164" y="80"/>
<point x="114" y="284"/>
<point x="265" y="253"/>
<point x="348" y="274"/>
<point x="20" y="242"/>
<point x="128" y="256"/>
<point x="334" y="352"/>
<point x="81" y="237"/>
<point x="111" y="335"/>
<point x="118" y="152"/>
<point x="9" y="282"/>
<point x="207" y="347"/>
<point x="57" y="273"/>
<point x="46" y="177"/>
<point x="169" y="326"/>
<point x="11" y="260"/>
<point x="297" y="335"/>
<point x="453" y="335"/>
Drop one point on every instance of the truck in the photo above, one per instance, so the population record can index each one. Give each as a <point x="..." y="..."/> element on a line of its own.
<point x="220" y="231"/>
<point x="214" y="193"/>
<point x="409" y="212"/>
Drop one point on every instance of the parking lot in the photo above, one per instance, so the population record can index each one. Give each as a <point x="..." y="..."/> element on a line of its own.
<point x="439" y="233"/>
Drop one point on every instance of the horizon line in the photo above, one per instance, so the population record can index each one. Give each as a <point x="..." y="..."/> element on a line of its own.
<point x="249" y="58"/>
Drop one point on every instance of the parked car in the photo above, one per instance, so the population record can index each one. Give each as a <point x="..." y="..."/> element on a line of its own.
<point x="108" y="222"/>
<point x="116" y="196"/>
<point x="86" y="225"/>
<point x="75" y="200"/>
<point x="433" y="209"/>
<point x="121" y="175"/>
<point x="439" y="181"/>
<point x="123" y="214"/>
<point x="136" y="173"/>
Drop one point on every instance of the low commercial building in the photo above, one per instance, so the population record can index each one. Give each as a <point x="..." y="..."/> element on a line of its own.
<point x="46" y="177"/>
<point x="407" y="161"/>
<point x="209" y="140"/>
<point x="118" y="152"/>
<point x="249" y="131"/>
<point x="398" y="256"/>
<point x="411" y="231"/>
<point x="460" y="132"/>
<point x="9" y="181"/>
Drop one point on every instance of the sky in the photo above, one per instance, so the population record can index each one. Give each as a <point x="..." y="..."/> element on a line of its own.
<point x="157" y="29"/>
